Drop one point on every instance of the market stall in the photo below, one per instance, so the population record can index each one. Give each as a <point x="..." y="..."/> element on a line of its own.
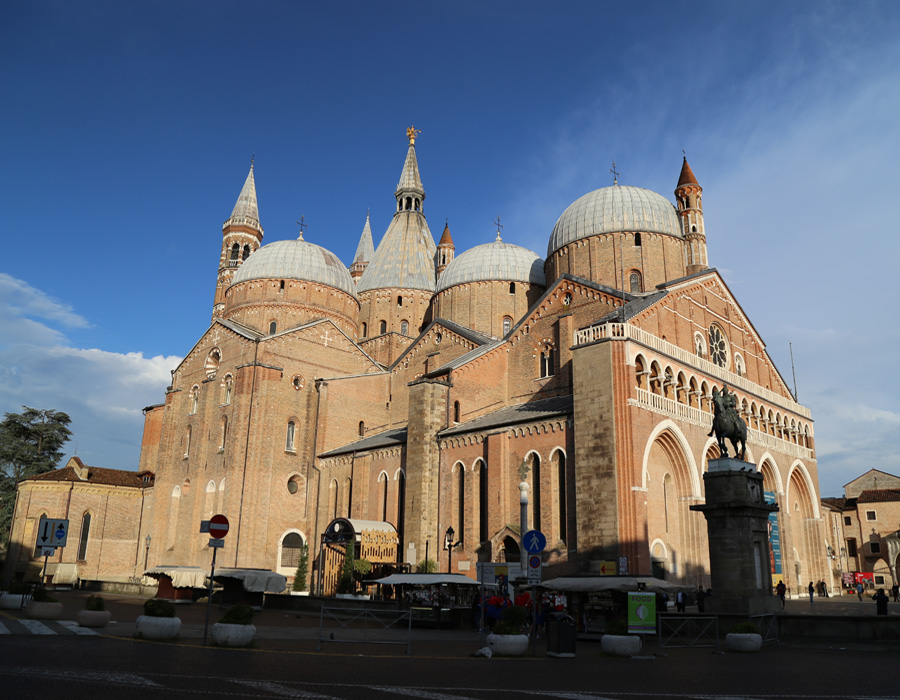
<point x="435" y="600"/>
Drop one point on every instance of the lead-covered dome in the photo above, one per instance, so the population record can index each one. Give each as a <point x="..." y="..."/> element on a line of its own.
<point x="614" y="209"/>
<point x="494" y="261"/>
<point x="297" y="260"/>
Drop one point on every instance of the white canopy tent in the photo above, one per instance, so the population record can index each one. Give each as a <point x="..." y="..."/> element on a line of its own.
<point x="623" y="584"/>
<point x="425" y="580"/>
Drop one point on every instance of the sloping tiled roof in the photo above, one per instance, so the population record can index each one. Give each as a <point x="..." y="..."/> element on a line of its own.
<point x="836" y="503"/>
<point x="388" y="438"/>
<point x="95" y="475"/>
<point x="878" y="495"/>
<point x="511" y="415"/>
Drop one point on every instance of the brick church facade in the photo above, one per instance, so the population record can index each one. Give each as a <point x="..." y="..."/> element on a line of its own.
<point x="420" y="389"/>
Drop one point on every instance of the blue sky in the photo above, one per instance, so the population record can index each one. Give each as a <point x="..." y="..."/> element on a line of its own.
<point x="128" y="130"/>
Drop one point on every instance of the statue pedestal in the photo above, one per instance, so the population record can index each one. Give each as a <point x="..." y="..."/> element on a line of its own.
<point x="737" y="519"/>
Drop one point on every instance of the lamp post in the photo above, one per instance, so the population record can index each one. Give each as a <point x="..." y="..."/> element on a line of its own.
<point x="146" y="551"/>
<point x="450" y="544"/>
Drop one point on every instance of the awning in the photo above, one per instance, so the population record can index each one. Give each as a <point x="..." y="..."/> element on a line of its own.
<point x="254" y="580"/>
<point x="425" y="580"/>
<point x="182" y="576"/>
<point x="624" y="584"/>
<point x="66" y="573"/>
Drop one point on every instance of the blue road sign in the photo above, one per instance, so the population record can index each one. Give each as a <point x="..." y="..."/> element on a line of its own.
<point x="534" y="541"/>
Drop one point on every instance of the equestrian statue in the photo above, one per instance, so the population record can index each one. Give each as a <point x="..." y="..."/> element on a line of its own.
<point x="727" y="423"/>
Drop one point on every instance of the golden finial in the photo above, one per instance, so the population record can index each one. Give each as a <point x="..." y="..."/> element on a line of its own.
<point x="411" y="133"/>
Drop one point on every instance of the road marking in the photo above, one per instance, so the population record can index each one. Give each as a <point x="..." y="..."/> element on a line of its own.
<point x="45" y="672"/>
<point x="416" y="693"/>
<point x="4" y="630"/>
<point x="282" y="690"/>
<point x="35" y="627"/>
<point x="73" y="626"/>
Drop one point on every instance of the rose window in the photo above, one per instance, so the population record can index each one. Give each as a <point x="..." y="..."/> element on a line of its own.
<point x="718" y="346"/>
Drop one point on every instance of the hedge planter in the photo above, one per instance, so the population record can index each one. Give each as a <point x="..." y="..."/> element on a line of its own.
<point x="158" y="627"/>
<point x="620" y="644"/>
<point x="740" y="641"/>
<point x="12" y="601"/>
<point x="93" y="618"/>
<point x="226" y="635"/>
<point x="508" y="644"/>
<point x="45" y="611"/>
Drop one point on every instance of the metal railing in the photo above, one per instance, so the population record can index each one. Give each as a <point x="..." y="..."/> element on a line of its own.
<point x="679" y="631"/>
<point x="767" y="626"/>
<point x="349" y="626"/>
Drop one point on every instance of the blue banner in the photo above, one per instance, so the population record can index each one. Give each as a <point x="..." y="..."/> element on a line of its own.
<point x="774" y="536"/>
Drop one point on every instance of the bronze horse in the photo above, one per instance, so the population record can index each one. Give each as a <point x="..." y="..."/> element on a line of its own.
<point x="727" y="423"/>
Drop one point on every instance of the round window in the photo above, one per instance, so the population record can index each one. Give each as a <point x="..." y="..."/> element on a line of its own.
<point x="293" y="484"/>
<point x="718" y="346"/>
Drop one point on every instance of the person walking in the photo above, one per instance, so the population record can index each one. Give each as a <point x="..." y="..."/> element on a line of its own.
<point x="679" y="601"/>
<point x="701" y="595"/>
<point x="881" y="601"/>
<point x="780" y="591"/>
<point x="812" y="592"/>
<point x="859" y="590"/>
<point x="895" y="591"/>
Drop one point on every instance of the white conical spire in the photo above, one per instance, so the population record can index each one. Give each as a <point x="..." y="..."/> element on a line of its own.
<point x="410" y="182"/>
<point x="365" y="251"/>
<point x="246" y="209"/>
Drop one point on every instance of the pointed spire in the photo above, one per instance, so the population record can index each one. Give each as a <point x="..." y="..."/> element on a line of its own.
<point x="246" y="210"/>
<point x="687" y="175"/>
<point x="366" y="248"/>
<point x="409" y="177"/>
<point x="446" y="238"/>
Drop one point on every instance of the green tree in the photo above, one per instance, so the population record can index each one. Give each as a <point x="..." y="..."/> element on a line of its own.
<point x="31" y="443"/>
<point x="427" y="566"/>
<point x="302" y="569"/>
<point x="346" y="583"/>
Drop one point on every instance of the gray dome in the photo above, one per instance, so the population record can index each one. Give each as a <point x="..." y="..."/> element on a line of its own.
<point x="494" y="261"/>
<point x="296" y="260"/>
<point x="611" y="210"/>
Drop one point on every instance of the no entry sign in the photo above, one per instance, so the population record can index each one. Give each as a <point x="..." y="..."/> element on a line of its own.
<point x="218" y="526"/>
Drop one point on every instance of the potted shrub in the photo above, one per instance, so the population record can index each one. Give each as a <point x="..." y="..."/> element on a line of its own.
<point x="158" y="620"/>
<point x="44" y="606"/>
<point x="14" y="598"/>
<point x="235" y="628"/>
<point x="743" y="637"/>
<point x="299" y="585"/>
<point x="616" y="640"/>
<point x="95" y="613"/>
<point x="507" y="638"/>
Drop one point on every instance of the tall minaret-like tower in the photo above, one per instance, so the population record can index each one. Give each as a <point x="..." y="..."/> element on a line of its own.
<point x="445" y="250"/>
<point x="689" y="198"/>
<point x="365" y="251"/>
<point x="241" y="235"/>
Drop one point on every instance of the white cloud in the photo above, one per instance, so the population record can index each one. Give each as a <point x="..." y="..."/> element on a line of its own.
<point x="103" y="392"/>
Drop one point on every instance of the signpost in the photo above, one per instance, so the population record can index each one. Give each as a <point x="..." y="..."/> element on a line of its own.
<point x="52" y="533"/>
<point x="607" y="568"/>
<point x="642" y="613"/>
<point x="534" y="568"/>
<point x="217" y="527"/>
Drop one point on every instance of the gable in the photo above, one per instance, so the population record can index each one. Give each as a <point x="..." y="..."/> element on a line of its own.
<point x="321" y="345"/>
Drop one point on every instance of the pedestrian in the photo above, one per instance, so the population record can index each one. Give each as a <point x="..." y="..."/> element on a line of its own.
<point x="895" y="591"/>
<point x="881" y="601"/>
<point x="812" y="592"/>
<point x="780" y="591"/>
<point x="679" y="601"/>
<point x="701" y="594"/>
<point x="859" y="590"/>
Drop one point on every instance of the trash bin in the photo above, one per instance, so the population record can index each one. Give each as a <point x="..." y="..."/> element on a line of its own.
<point x="561" y="635"/>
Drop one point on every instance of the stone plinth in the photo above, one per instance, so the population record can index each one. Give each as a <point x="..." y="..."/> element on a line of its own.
<point x="737" y="518"/>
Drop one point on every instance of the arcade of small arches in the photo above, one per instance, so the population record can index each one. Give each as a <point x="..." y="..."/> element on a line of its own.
<point x="686" y="389"/>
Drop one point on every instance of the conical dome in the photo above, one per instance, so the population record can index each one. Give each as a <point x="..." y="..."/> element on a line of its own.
<point x="298" y="260"/>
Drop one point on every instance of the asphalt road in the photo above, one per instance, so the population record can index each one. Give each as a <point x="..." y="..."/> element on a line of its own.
<point x="92" y="667"/>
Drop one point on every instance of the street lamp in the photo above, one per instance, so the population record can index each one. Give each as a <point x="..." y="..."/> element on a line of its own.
<point x="450" y="544"/>
<point x="146" y="551"/>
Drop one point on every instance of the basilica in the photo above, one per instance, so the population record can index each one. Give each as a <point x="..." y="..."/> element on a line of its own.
<point x="411" y="400"/>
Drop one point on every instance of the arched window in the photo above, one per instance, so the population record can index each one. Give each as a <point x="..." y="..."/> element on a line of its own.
<point x="408" y="203"/>
<point x="512" y="287"/>
<point x="399" y="301"/>
<point x="507" y="325"/>
<point x="404" y="327"/>
<point x="534" y="475"/>
<point x="246" y="253"/>
<point x="562" y="506"/>
<point x="547" y="362"/>
<point x="289" y="440"/>
<point x="456" y="412"/>
<point x="383" y="327"/>
<point x="291" y="547"/>
<point x="365" y="330"/>
<point x="281" y="286"/>
<point x="634" y="282"/>
<point x="195" y="400"/>
<point x="228" y="390"/>
<point x="482" y="501"/>
<point x="362" y="428"/>
<point x="273" y="327"/>
<point x="187" y="442"/>
<point x="637" y="239"/>
<point x="461" y="504"/>
<point x="224" y="432"/>
<point x="382" y="496"/>
<point x="85" y="535"/>
<point x="235" y="251"/>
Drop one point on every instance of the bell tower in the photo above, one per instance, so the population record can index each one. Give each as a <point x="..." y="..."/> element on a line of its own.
<point x="689" y="199"/>
<point x="241" y="235"/>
